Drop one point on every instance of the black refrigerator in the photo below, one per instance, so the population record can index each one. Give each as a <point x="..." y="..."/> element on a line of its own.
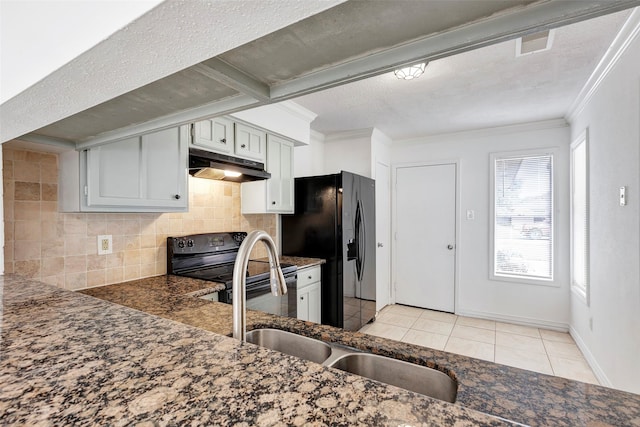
<point x="334" y="219"/>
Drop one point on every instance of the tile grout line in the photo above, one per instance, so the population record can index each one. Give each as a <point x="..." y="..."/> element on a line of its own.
<point x="548" y="358"/>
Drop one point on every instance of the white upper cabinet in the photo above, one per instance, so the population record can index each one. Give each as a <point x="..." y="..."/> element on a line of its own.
<point x="215" y="134"/>
<point x="250" y="143"/>
<point x="225" y="136"/>
<point x="274" y="195"/>
<point x="280" y="166"/>
<point x="147" y="173"/>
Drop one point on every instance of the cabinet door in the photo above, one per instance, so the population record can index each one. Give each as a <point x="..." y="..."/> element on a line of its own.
<point x="280" y="166"/>
<point x="315" y="303"/>
<point x="164" y="161"/>
<point x="215" y="135"/>
<point x="309" y="304"/>
<point x="303" y="303"/>
<point x="250" y="143"/>
<point x="146" y="173"/>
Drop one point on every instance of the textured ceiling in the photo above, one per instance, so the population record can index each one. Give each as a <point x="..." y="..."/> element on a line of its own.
<point x="170" y="38"/>
<point x="345" y="43"/>
<point x="351" y="30"/>
<point x="482" y="88"/>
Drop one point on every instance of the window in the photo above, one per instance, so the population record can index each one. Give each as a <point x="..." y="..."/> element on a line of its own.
<point x="580" y="217"/>
<point x="523" y="216"/>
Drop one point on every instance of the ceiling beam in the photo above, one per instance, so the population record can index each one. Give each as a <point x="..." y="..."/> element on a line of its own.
<point x="48" y="140"/>
<point x="233" y="78"/>
<point x="218" y="108"/>
<point x="495" y="29"/>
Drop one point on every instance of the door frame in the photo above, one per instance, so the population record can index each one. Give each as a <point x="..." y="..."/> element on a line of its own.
<point x="394" y="224"/>
<point x="390" y="296"/>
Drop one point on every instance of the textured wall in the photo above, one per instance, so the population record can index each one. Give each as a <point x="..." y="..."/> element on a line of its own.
<point x="61" y="248"/>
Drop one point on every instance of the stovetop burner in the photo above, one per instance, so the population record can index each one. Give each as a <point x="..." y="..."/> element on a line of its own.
<point x="256" y="271"/>
<point x="212" y="256"/>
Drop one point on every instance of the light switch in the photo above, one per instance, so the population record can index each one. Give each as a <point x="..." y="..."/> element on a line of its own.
<point x="623" y="196"/>
<point x="471" y="215"/>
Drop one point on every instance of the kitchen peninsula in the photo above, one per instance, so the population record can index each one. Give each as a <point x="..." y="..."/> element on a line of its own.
<point x="68" y="358"/>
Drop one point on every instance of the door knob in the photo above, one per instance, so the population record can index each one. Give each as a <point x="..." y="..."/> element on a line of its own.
<point x="380" y="244"/>
<point x="450" y="247"/>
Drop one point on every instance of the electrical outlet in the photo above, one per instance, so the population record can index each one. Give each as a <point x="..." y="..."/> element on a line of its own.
<point x="105" y="244"/>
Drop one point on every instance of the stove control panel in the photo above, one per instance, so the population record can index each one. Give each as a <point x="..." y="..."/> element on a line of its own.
<point x="205" y="243"/>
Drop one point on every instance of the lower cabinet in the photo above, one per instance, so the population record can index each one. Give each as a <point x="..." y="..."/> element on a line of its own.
<point x="309" y="300"/>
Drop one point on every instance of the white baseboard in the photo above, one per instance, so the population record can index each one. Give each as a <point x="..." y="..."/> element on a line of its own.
<point x="591" y="360"/>
<point x="525" y="321"/>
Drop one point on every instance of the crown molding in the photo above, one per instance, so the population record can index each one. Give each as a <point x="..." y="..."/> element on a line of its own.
<point x="317" y="136"/>
<point x="350" y="134"/>
<point x="484" y="132"/>
<point x="297" y="110"/>
<point x="620" y="44"/>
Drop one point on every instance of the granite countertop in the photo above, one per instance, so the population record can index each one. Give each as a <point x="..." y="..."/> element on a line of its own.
<point x="176" y="373"/>
<point x="70" y="359"/>
<point x="300" y="262"/>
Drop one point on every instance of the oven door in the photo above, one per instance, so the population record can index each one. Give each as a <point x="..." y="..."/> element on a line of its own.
<point x="260" y="298"/>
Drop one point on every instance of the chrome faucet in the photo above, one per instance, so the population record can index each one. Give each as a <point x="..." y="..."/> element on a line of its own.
<point x="278" y="285"/>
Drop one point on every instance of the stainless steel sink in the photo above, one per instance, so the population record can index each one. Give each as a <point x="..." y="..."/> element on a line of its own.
<point x="408" y="376"/>
<point x="289" y="343"/>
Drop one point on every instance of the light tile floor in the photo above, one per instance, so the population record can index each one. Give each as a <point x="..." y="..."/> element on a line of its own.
<point x="540" y="350"/>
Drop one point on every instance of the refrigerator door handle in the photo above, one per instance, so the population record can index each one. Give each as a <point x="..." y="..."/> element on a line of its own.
<point x="362" y="244"/>
<point x="359" y="238"/>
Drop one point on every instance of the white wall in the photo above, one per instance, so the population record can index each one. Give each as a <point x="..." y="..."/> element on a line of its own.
<point x="286" y="118"/>
<point x="308" y="160"/>
<point x="1" y="217"/>
<point x="612" y="115"/>
<point x="380" y="150"/>
<point x="477" y="295"/>
<point x="349" y="151"/>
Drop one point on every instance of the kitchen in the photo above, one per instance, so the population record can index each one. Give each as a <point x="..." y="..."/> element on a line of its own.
<point x="72" y="223"/>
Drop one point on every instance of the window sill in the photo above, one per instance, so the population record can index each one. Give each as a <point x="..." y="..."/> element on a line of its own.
<point x="524" y="281"/>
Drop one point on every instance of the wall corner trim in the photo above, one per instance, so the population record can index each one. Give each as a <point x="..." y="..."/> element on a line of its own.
<point x="317" y="136"/>
<point x="624" y="38"/>
<point x="350" y="134"/>
<point x="297" y="109"/>
<point x="591" y="360"/>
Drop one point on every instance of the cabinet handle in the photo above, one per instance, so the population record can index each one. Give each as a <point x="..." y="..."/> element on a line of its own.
<point x="177" y="196"/>
<point x="273" y="203"/>
<point x="223" y="140"/>
<point x="309" y="277"/>
<point x="301" y="298"/>
<point x="243" y="146"/>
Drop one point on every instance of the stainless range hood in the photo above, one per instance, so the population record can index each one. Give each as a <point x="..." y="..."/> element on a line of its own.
<point x="209" y="165"/>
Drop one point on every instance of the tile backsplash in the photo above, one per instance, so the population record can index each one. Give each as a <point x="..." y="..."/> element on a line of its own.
<point x="61" y="248"/>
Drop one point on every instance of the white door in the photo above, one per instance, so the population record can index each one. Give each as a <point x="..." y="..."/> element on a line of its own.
<point x="383" y="235"/>
<point x="425" y="240"/>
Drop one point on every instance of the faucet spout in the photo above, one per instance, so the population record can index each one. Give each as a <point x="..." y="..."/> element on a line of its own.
<point x="278" y="284"/>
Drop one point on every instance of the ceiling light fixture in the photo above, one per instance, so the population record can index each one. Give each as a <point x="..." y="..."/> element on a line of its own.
<point x="411" y="72"/>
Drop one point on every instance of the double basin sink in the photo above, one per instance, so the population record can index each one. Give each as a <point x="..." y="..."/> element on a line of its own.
<point x="416" y="378"/>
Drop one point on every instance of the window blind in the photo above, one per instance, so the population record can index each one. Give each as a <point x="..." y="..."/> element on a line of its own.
<point x="523" y="215"/>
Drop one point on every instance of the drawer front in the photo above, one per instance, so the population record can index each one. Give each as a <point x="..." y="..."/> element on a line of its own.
<point x="309" y="275"/>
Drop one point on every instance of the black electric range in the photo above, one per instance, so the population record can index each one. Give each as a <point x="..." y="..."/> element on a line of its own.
<point x="211" y="257"/>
